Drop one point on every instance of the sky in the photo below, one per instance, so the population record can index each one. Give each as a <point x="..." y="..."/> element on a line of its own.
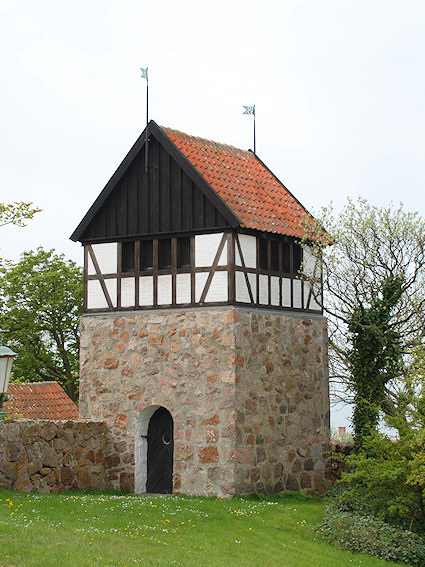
<point x="338" y="85"/>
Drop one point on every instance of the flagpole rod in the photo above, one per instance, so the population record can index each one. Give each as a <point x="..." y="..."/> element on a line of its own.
<point x="145" y="76"/>
<point x="147" y="97"/>
<point x="255" y="153"/>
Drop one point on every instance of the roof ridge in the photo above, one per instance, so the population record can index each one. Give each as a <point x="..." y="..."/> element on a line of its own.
<point x="181" y="134"/>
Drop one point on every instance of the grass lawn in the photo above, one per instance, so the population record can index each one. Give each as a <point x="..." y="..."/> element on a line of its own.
<point x="80" y="529"/>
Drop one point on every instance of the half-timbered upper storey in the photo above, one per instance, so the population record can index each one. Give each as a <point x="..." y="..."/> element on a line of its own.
<point x="193" y="222"/>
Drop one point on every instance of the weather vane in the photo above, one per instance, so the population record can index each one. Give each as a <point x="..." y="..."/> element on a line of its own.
<point x="251" y="110"/>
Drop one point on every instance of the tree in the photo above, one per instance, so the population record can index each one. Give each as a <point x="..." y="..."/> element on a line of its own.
<point x="373" y="278"/>
<point x="16" y="213"/>
<point x="40" y="308"/>
<point x="374" y="356"/>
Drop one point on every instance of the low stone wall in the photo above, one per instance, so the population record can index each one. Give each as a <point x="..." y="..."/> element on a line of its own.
<point x="53" y="456"/>
<point x="339" y="450"/>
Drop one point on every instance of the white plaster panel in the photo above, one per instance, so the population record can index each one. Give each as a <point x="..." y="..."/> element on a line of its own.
<point x="107" y="257"/>
<point x="286" y="292"/>
<point x="183" y="288"/>
<point x="111" y="286"/>
<point x="241" y="288"/>
<point x="90" y="266"/>
<point x="206" y="246"/>
<point x="264" y="289"/>
<point x="306" y="293"/>
<point x="313" y="302"/>
<point x="200" y="280"/>
<point x="218" y="289"/>
<point x="146" y="290"/>
<point x="309" y="262"/>
<point x="249" y="250"/>
<point x="128" y="292"/>
<point x="297" y="293"/>
<point x="165" y="293"/>
<point x="253" y="281"/>
<point x="95" y="297"/>
<point x="274" y="289"/>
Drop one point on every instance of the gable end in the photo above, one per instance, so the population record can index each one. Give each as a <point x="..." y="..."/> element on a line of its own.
<point x="171" y="198"/>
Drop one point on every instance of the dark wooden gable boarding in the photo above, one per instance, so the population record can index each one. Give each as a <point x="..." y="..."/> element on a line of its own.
<point x="172" y="197"/>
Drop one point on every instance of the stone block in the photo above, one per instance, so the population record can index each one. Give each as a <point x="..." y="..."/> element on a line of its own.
<point x="183" y="451"/>
<point x="85" y="479"/>
<point x="67" y="475"/>
<point x="292" y="483"/>
<point x="208" y="454"/>
<point x="120" y="446"/>
<point x="59" y="444"/>
<point x="227" y="376"/>
<point x="212" y="435"/>
<point x="14" y="450"/>
<point x="5" y="481"/>
<point x="121" y="421"/>
<point x="23" y="460"/>
<point x="244" y="455"/>
<point x="48" y="456"/>
<point x="214" y="420"/>
<point x="23" y="482"/>
<point x="127" y="482"/>
<point x="231" y="316"/>
<point x="305" y="481"/>
<point x="35" y="467"/>
<point x="48" y="431"/>
<point x="177" y="481"/>
<point x="261" y="454"/>
<point x="112" y="461"/>
<point x="50" y="479"/>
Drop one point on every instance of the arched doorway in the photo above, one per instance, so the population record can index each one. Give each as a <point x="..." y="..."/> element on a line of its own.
<point x="154" y="447"/>
<point x="160" y="453"/>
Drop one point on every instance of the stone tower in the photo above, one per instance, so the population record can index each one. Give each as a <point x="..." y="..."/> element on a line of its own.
<point x="201" y="347"/>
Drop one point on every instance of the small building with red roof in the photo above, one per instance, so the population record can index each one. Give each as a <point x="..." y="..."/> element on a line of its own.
<point x="39" y="400"/>
<point x="201" y="344"/>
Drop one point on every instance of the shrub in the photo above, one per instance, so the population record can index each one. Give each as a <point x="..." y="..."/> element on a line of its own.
<point x="367" y="534"/>
<point x="381" y="476"/>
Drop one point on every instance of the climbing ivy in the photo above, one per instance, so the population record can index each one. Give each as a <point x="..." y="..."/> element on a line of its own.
<point x="374" y="356"/>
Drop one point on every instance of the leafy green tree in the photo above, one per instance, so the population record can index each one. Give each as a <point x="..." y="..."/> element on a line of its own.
<point x="373" y="277"/>
<point x="16" y="213"/>
<point x="41" y="304"/>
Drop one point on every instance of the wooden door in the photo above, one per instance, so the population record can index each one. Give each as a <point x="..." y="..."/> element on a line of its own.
<point x="160" y="453"/>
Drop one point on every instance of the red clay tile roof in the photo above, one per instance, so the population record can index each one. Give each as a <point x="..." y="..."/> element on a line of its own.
<point x="248" y="187"/>
<point x="39" y="400"/>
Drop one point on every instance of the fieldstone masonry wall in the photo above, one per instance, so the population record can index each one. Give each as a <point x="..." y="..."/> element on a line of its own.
<point x="247" y="389"/>
<point x="52" y="456"/>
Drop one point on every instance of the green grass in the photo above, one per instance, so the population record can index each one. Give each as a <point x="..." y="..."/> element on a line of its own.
<point x="79" y="529"/>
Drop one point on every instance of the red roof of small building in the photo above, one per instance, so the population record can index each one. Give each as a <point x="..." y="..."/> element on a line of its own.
<point x="241" y="179"/>
<point x="39" y="400"/>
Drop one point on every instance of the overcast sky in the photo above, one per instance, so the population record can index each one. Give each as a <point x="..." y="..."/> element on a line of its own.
<point x="338" y="86"/>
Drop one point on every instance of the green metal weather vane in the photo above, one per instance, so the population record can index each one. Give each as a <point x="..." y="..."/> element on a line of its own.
<point x="251" y="110"/>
